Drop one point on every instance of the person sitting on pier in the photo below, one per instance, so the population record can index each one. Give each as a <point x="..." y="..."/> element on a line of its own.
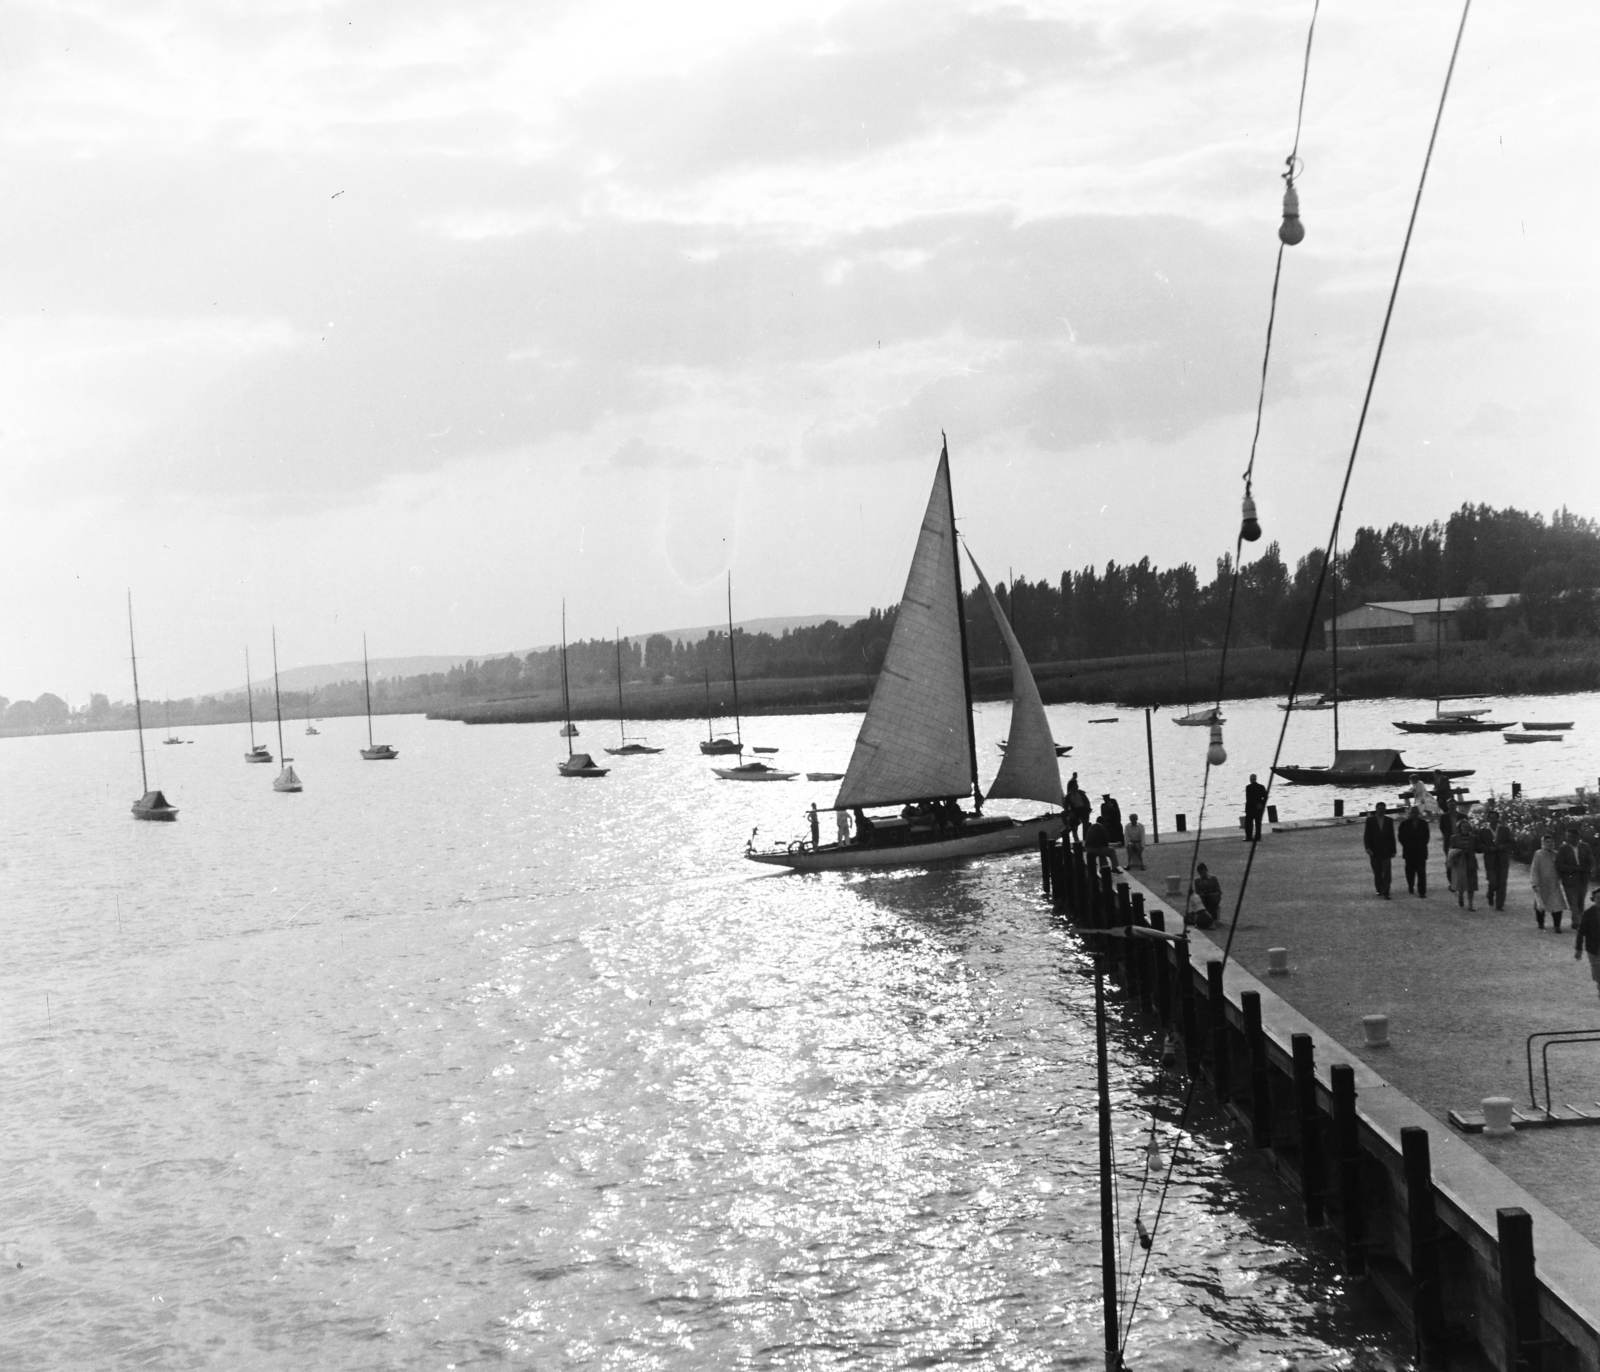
<point x="1097" y="848"/>
<point x="1209" y="889"/>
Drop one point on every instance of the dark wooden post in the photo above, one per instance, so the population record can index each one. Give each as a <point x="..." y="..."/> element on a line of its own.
<point x="1347" y="1148"/>
<point x="1139" y="948"/>
<point x="1080" y="883"/>
<point x="1313" y="1169"/>
<point x="1188" y="1021"/>
<point x="1108" y="900"/>
<point x="1519" y="1290"/>
<point x="1217" y="1014"/>
<point x="1423" y="1222"/>
<point x="1255" y="1041"/>
<point x="1121" y="920"/>
<point x="1044" y="861"/>
<point x="1158" y="949"/>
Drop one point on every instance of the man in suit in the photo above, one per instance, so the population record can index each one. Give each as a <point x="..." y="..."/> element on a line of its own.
<point x="1378" y="839"/>
<point x="1255" y="805"/>
<point x="1415" y="834"/>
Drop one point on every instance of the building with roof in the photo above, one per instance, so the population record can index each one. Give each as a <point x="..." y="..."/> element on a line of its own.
<point x="1412" y="621"/>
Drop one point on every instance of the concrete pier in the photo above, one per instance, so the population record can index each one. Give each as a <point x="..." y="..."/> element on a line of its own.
<point x="1422" y="1207"/>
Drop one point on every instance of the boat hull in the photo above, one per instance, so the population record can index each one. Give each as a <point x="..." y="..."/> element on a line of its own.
<point x="1448" y="726"/>
<point x="835" y="857"/>
<point x="633" y="750"/>
<point x="720" y="746"/>
<point x="383" y="752"/>
<point x="262" y="756"/>
<point x="1326" y="776"/>
<point x="152" y="805"/>
<point x="581" y="771"/>
<point x="753" y="774"/>
<point x="1532" y="738"/>
<point x="1546" y="726"/>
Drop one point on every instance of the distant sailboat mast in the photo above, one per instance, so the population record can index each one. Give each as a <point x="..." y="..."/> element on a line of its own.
<point x="366" y="677"/>
<point x="277" y="700"/>
<point x="733" y="668"/>
<point x="249" y="702"/>
<point x="566" y="689"/>
<point x="622" y="723"/>
<point x="138" y="712"/>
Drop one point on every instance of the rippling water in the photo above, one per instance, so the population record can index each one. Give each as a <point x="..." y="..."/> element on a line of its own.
<point x="450" y="1062"/>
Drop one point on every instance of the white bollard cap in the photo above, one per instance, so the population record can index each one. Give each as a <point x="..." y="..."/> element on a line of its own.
<point x="1497" y="1117"/>
<point x="1376" y="1028"/>
<point x="1278" y="962"/>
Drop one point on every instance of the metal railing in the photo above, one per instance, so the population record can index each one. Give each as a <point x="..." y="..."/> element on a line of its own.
<point x="1553" y="1038"/>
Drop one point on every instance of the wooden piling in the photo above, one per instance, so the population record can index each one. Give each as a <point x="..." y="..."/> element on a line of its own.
<point x="1313" y="1170"/>
<point x="1143" y="975"/>
<point x="1163" y="970"/>
<point x="1427" y="1304"/>
<point x="1188" y="1020"/>
<point x="1217" y="1015"/>
<point x="1044" y="862"/>
<point x="1519" y="1290"/>
<point x="1347" y="1149"/>
<point x="1260" y="1093"/>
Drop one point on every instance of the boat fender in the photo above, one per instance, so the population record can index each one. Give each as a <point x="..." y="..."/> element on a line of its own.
<point x="1146" y="1238"/>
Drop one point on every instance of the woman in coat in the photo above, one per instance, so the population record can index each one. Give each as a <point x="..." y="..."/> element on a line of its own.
<point x="1546" y="879"/>
<point x="1463" y="864"/>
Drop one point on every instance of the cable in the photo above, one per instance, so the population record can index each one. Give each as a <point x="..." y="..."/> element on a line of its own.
<point x="1316" y="597"/>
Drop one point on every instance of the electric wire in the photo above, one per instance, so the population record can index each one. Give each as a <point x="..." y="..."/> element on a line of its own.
<point x="1305" y="642"/>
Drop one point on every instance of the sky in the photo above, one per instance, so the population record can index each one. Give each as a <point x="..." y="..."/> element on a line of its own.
<point x="417" y="319"/>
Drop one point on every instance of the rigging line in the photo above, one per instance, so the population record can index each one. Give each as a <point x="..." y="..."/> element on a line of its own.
<point x="1322" y="576"/>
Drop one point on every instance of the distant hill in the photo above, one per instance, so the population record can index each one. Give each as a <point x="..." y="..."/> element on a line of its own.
<point x="315" y="678"/>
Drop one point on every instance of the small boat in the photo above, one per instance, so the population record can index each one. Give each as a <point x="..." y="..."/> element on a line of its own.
<point x="1320" y="703"/>
<point x="763" y="750"/>
<point x="915" y="752"/>
<point x="311" y="729"/>
<point x="577" y="764"/>
<point x="638" y="747"/>
<point x="824" y="776"/>
<point x="258" y="751"/>
<point x="373" y="752"/>
<point x="1450" y="724"/>
<point x="753" y="771"/>
<point x="287" y="780"/>
<point x="1532" y="738"/>
<point x="1062" y="749"/>
<point x="715" y="745"/>
<point x="1104" y="719"/>
<point x="1199" y="719"/>
<point x="1365" y="767"/>
<point x="1547" y="726"/>
<point x="151" y="804"/>
<point x="171" y="737"/>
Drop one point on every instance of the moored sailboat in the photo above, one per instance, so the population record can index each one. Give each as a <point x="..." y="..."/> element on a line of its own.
<point x="638" y="746"/>
<point x="151" y="804"/>
<point x="916" y="746"/>
<point x="373" y="752"/>
<point x="258" y="751"/>
<point x="287" y="780"/>
<point x="577" y="764"/>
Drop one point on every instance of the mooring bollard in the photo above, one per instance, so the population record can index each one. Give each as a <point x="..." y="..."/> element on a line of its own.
<point x="1183" y="824"/>
<point x="1256" y="1045"/>
<point x="1272" y="814"/>
<point x="1313" y="1172"/>
<point x="1347" y="1148"/>
<point x="1174" y="884"/>
<point x="1278" y="962"/>
<point x="1497" y="1117"/>
<point x="1158" y="948"/>
<point x="1376" y="1028"/>
<point x="1217" y="1014"/>
<point x="1338" y="809"/>
<point x="1423" y="1222"/>
<point x="1519" y="1290"/>
<point x="1516" y="789"/>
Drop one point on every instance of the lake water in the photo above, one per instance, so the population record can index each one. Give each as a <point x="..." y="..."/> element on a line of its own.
<point x="451" y="1062"/>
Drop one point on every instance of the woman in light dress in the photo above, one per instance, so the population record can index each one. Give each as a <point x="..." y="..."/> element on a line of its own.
<point x="1547" y="892"/>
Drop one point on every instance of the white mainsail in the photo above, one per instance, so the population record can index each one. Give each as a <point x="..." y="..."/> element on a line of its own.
<point x="915" y="743"/>
<point x="1029" y="770"/>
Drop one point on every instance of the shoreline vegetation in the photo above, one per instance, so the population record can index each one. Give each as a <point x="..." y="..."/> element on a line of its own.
<point x="1516" y="664"/>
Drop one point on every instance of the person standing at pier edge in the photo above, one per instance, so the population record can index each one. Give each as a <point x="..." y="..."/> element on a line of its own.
<point x="1133" y="832"/>
<point x="1547" y="893"/>
<point x="1111" y="817"/>
<point x="1589" y="941"/>
<point x="1255" y="805"/>
<point x="1572" y="863"/>
<point x="1415" y="835"/>
<point x="1378" y="840"/>
<point x="1497" y="840"/>
<point x="1078" y="807"/>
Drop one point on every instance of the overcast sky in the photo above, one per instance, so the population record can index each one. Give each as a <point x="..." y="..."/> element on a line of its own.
<point x="413" y="318"/>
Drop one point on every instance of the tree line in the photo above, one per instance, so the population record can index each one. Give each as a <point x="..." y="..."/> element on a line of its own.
<point x="1118" y="610"/>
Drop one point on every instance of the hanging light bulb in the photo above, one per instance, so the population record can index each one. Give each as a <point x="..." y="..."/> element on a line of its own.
<point x="1291" y="231"/>
<point x="1216" y="754"/>
<point x="1250" y="531"/>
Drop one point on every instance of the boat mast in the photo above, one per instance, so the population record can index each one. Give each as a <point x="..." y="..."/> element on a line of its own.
<point x="622" y="724"/>
<point x="366" y="676"/>
<point x="711" y="733"/>
<point x="1336" y="647"/>
<point x="1108" y="1233"/>
<point x="1438" y="637"/>
<point x="733" y="668"/>
<point x="138" y="713"/>
<point x="277" y="699"/>
<point x="961" y="619"/>
<point x="249" y="704"/>
<point x="566" y="690"/>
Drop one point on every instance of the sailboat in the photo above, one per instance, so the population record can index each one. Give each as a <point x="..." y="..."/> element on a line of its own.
<point x="258" y="751"/>
<point x="171" y="737"/>
<point x="637" y="747"/>
<point x="373" y="752"/>
<point x="577" y="764"/>
<point x="916" y="747"/>
<point x="151" y="804"/>
<point x="311" y="729"/>
<point x="743" y="771"/>
<point x="286" y="780"/>
<point x="715" y="743"/>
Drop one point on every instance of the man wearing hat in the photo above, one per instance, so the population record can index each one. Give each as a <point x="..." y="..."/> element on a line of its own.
<point x="1378" y="840"/>
<point x="1573" y="859"/>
